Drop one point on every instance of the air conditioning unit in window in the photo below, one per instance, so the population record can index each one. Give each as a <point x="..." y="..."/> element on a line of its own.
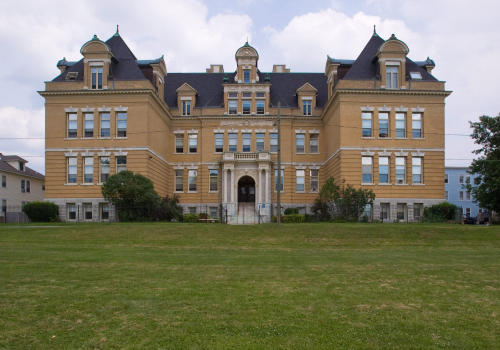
<point x="400" y="181"/>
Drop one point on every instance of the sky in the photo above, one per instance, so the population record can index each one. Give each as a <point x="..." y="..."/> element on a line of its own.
<point x="192" y="34"/>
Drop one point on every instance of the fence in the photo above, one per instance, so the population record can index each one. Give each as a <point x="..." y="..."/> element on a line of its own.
<point x="13" y="215"/>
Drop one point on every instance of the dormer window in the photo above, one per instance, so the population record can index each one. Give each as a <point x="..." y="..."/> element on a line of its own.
<point x="21" y="166"/>
<point x="186" y="107"/>
<point x="392" y="77"/>
<point x="306" y="104"/>
<point x="246" y="76"/>
<point x="96" y="78"/>
<point x="71" y="76"/>
<point x="415" y="75"/>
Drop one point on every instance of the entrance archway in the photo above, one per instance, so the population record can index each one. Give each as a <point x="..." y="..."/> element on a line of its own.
<point x="246" y="190"/>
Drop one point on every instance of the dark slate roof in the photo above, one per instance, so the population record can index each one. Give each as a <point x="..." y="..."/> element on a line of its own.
<point x="413" y="67"/>
<point x="364" y="68"/>
<point x="341" y="61"/>
<point x="284" y="86"/>
<point x="9" y="168"/>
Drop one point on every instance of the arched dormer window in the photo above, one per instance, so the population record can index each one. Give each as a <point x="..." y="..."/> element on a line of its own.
<point x="392" y="59"/>
<point x="97" y="57"/>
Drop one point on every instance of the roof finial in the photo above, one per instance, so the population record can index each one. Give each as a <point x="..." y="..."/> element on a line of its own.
<point x="375" y="30"/>
<point x="117" y="31"/>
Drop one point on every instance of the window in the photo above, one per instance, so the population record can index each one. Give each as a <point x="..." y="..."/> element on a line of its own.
<point x="23" y="186"/>
<point x="104" y="211"/>
<point x="400" y="214"/>
<point x="467" y="195"/>
<point x="21" y="166"/>
<point x="192" y="210"/>
<point x="72" y="125"/>
<point x="96" y="77"/>
<point x="415" y="75"/>
<point x="186" y="107"/>
<point x="467" y="211"/>
<point x="232" y="94"/>
<point x="400" y="125"/>
<point x="246" y="94"/>
<point x="313" y="143"/>
<point x="89" y="124"/>
<point x="417" y="170"/>
<point x="418" y="209"/>
<point x="366" y="124"/>
<point x="87" y="211"/>
<point x="233" y="107"/>
<point x="445" y="178"/>
<point x="121" y="128"/>
<point x="193" y="143"/>
<point x="260" y="106"/>
<point x="105" y="168"/>
<point x="179" y="180"/>
<point x="259" y="143"/>
<point x="400" y="170"/>
<point x="480" y="211"/>
<point x="28" y="186"/>
<point x="88" y="174"/>
<point x="300" y="138"/>
<point x="246" y="142"/>
<point x="246" y="106"/>
<point x="367" y="169"/>
<point x="219" y="143"/>
<point x="416" y="125"/>
<point x="461" y="195"/>
<point x="314" y="180"/>
<point x="467" y="179"/>
<point x="72" y="170"/>
<point x="461" y="179"/>
<point x="213" y="213"/>
<point x="392" y="77"/>
<point x="260" y="94"/>
<point x="214" y="178"/>
<point x="306" y="106"/>
<point x="179" y="143"/>
<point x="383" y="170"/>
<point x="246" y="76"/>
<point x="43" y="187"/>
<point x="72" y="211"/>
<point x="121" y="164"/>
<point x="274" y="142"/>
<point x="233" y="142"/>
<point x="276" y="180"/>
<point x="368" y="212"/>
<point x="301" y="180"/>
<point x="105" y="125"/>
<point x="383" y="125"/>
<point x="4" y="181"/>
<point x="192" y="180"/>
<point x="446" y="195"/>
<point x="4" y="205"/>
<point x="384" y="211"/>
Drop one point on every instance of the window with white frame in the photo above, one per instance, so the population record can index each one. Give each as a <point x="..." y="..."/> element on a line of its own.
<point x="480" y="211"/>
<point x="121" y="164"/>
<point x="246" y="142"/>
<point x="186" y="107"/>
<point x="261" y="106"/>
<point x="105" y="125"/>
<point x="467" y="179"/>
<point x="392" y="77"/>
<point x="445" y="178"/>
<point x="367" y="169"/>
<point x="467" y="211"/>
<point x="104" y="169"/>
<point x="467" y="195"/>
<point x="192" y="174"/>
<point x="233" y="142"/>
<point x="193" y="143"/>
<point x="400" y="170"/>
<point x="104" y="211"/>
<point x="313" y="180"/>
<point x="384" y="211"/>
<point x="273" y="142"/>
<point x="276" y="180"/>
<point x="4" y="181"/>
<point x="383" y="170"/>
<point x="23" y="186"/>
<point x="418" y="210"/>
<point x="233" y="107"/>
<point x="401" y="211"/>
<point x="71" y="211"/>
<point x="246" y="106"/>
<point x="87" y="211"/>
<point x="179" y="180"/>
<point x="416" y="125"/>
<point x="72" y="125"/>
<point x="259" y="142"/>
<point x="461" y="179"/>
<point x="179" y="143"/>
<point x="219" y="143"/>
<point x="446" y="195"/>
<point x="192" y="210"/>
<point x="72" y="170"/>
<point x="383" y="124"/>
<point x="28" y="186"/>
<point x="300" y="176"/>
<point x="306" y="107"/>
<point x="88" y="169"/>
<point x="214" y="179"/>
<point x="89" y="125"/>
<point x="246" y="76"/>
<point x="300" y="140"/>
<point x="366" y="121"/>
<point x="121" y="124"/>
<point x="368" y="211"/>
<point x="313" y="143"/>
<point x="460" y="195"/>
<point x="400" y="125"/>
<point x="416" y="165"/>
<point x="213" y="213"/>
<point x="96" y="78"/>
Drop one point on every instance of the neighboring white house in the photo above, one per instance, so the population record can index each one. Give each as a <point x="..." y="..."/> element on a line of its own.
<point x="18" y="184"/>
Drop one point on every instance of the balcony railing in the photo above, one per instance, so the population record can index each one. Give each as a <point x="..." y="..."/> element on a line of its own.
<point x="246" y="156"/>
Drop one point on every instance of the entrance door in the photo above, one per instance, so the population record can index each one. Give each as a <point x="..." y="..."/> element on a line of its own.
<point x="246" y="189"/>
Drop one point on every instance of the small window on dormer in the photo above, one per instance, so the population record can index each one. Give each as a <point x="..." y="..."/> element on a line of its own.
<point x="96" y="77"/>
<point x="246" y="76"/>
<point x="71" y="76"/>
<point x="416" y="75"/>
<point x="392" y="77"/>
<point x="21" y="166"/>
<point x="186" y="107"/>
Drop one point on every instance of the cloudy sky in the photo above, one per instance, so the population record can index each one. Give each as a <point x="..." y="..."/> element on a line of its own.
<point x="192" y="34"/>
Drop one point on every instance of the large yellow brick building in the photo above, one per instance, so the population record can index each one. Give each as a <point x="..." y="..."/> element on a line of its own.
<point x="376" y="121"/>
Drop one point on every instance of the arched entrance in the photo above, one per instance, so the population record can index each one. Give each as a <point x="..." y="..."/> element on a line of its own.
<point x="246" y="190"/>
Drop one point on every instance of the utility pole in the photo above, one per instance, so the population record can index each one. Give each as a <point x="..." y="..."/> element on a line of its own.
<point x="278" y="190"/>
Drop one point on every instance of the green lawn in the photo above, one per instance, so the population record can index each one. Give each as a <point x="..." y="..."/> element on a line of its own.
<point x="304" y="286"/>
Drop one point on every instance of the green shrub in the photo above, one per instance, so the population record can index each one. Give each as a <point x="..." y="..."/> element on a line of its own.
<point x="364" y="218"/>
<point x="308" y="218"/>
<point x="203" y="216"/>
<point x="275" y="218"/>
<point x="190" y="218"/>
<point x="42" y="211"/>
<point x="440" y="212"/>
<point x="294" y="218"/>
<point x="289" y="211"/>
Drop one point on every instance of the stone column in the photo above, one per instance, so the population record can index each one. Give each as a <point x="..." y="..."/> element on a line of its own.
<point x="232" y="186"/>
<point x="260" y="186"/>
<point x="267" y="185"/>
<point x="224" y="186"/>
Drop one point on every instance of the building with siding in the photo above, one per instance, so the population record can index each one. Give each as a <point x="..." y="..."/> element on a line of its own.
<point x="455" y="178"/>
<point x="376" y="121"/>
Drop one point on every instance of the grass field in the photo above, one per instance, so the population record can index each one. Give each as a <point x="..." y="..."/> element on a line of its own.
<point x="195" y="286"/>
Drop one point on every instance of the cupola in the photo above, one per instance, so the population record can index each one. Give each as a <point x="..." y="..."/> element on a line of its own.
<point x="246" y="58"/>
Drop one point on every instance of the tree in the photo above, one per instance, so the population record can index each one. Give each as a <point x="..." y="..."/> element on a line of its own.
<point x="133" y="195"/>
<point x="486" y="186"/>
<point x="344" y="201"/>
<point x="170" y="209"/>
